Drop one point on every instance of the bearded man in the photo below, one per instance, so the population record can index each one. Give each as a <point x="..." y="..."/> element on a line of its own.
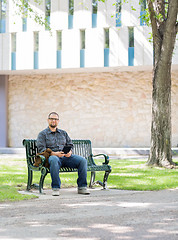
<point x="55" y="139"/>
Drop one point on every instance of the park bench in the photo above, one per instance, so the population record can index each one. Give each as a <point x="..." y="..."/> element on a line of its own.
<point x="81" y="147"/>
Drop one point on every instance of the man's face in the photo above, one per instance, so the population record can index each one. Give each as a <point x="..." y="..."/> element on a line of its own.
<point x="53" y="120"/>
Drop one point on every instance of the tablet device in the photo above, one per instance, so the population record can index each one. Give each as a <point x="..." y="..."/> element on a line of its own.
<point x="66" y="149"/>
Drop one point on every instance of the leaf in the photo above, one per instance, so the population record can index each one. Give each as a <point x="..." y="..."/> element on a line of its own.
<point x="133" y="8"/>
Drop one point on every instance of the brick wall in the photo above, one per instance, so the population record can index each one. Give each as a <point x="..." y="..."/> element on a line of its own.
<point x="113" y="109"/>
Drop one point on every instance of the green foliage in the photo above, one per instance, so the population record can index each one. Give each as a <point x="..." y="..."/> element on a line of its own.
<point x="25" y="9"/>
<point x="133" y="9"/>
<point x="150" y="39"/>
<point x="146" y="17"/>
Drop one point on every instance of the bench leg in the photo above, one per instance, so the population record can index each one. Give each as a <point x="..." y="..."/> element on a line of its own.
<point x="105" y="180"/>
<point x="92" y="179"/>
<point x="30" y="177"/>
<point x="103" y="184"/>
<point x="43" y="175"/>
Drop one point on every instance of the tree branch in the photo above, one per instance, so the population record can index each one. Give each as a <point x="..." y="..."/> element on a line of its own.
<point x="172" y="15"/>
<point x="153" y="19"/>
<point x="160" y="7"/>
<point x="171" y="27"/>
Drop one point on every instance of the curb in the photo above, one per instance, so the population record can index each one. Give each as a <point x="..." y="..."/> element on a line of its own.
<point x="108" y="151"/>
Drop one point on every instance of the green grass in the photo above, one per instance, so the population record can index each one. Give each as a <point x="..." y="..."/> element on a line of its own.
<point x="135" y="175"/>
<point x="127" y="174"/>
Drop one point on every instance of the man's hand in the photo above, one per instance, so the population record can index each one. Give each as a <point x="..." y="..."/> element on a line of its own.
<point x="68" y="154"/>
<point x="59" y="154"/>
<point x="62" y="154"/>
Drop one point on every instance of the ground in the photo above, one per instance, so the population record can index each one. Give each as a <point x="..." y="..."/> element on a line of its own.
<point x="102" y="215"/>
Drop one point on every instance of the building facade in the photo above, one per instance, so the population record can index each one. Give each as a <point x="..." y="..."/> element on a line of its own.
<point x="94" y="67"/>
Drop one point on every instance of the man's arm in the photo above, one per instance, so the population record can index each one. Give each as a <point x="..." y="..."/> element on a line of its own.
<point x="41" y="142"/>
<point x="68" y="140"/>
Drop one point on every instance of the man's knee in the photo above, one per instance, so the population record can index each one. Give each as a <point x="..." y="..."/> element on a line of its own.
<point x="83" y="161"/>
<point x="53" y="160"/>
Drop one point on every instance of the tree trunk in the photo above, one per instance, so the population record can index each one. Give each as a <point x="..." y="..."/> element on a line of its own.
<point x="160" y="152"/>
<point x="164" y="35"/>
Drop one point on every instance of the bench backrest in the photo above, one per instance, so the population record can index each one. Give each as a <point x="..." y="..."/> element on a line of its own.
<point x="81" y="147"/>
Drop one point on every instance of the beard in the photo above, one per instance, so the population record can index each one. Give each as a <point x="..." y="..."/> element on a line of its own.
<point x="53" y="125"/>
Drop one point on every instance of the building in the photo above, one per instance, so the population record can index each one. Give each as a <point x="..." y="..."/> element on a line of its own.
<point x="94" y="68"/>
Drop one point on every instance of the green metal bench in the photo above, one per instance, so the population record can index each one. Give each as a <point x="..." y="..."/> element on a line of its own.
<point x="81" y="147"/>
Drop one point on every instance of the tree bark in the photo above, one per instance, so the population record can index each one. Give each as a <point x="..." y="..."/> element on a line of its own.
<point x="164" y="35"/>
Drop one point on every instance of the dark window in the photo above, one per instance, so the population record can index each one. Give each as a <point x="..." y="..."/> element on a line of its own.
<point x="118" y="6"/>
<point x="36" y="41"/>
<point x="82" y="39"/>
<point x="71" y="7"/>
<point x="131" y="37"/>
<point x="59" y="40"/>
<point x="94" y="6"/>
<point x="106" y="38"/>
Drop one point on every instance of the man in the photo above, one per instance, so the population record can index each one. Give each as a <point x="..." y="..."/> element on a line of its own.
<point x="56" y="139"/>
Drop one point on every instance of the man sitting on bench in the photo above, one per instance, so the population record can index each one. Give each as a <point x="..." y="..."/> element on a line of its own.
<point x="56" y="139"/>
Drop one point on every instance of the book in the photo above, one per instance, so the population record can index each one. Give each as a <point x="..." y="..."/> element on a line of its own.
<point x="66" y="148"/>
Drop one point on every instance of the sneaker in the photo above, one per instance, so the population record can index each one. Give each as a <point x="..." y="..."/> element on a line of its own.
<point x="55" y="192"/>
<point x="83" y="190"/>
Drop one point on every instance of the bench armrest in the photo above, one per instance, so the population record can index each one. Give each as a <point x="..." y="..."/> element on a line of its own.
<point x="42" y="159"/>
<point x="106" y="157"/>
<point x="30" y="164"/>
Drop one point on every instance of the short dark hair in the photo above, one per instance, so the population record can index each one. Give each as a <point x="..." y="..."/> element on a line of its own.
<point x="53" y="113"/>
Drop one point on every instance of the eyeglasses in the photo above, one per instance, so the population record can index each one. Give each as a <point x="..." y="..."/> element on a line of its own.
<point x="55" y="119"/>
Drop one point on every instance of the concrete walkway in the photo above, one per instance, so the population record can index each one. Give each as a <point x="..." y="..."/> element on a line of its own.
<point x="112" y="152"/>
<point x="102" y="215"/>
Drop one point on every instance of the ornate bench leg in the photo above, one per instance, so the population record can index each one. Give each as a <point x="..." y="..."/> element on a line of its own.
<point x="92" y="179"/>
<point x="30" y="177"/>
<point x="105" y="180"/>
<point x="43" y="175"/>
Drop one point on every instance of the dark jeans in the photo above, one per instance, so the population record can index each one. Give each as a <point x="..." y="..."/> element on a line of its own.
<point x="74" y="161"/>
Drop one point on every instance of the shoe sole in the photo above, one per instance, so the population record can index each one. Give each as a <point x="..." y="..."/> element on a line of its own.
<point x="83" y="193"/>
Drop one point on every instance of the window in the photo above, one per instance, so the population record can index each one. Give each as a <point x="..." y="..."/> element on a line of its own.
<point x="143" y="5"/>
<point x="71" y="13"/>
<point x="24" y="15"/>
<point x="59" y="40"/>
<point x="131" y="37"/>
<point x="82" y="48"/>
<point x="94" y="6"/>
<point x="59" y="48"/>
<point x="94" y="13"/>
<point x="106" y="37"/>
<point x="36" y="41"/>
<point x="142" y="12"/>
<point x="36" y="49"/>
<point x="2" y="16"/>
<point x="118" y="12"/>
<point x="13" y="42"/>
<point x="71" y="7"/>
<point x="118" y="6"/>
<point x="13" y="51"/>
<point x="47" y="13"/>
<point x="106" y="47"/>
<point x="82" y="39"/>
<point x="131" y="47"/>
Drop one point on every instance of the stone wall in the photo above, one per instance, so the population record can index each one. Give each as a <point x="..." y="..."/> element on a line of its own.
<point x="113" y="109"/>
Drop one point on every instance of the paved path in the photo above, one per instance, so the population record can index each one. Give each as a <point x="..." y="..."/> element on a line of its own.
<point x="102" y="215"/>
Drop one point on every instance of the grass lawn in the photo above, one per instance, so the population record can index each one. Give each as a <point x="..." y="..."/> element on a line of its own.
<point x="127" y="174"/>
